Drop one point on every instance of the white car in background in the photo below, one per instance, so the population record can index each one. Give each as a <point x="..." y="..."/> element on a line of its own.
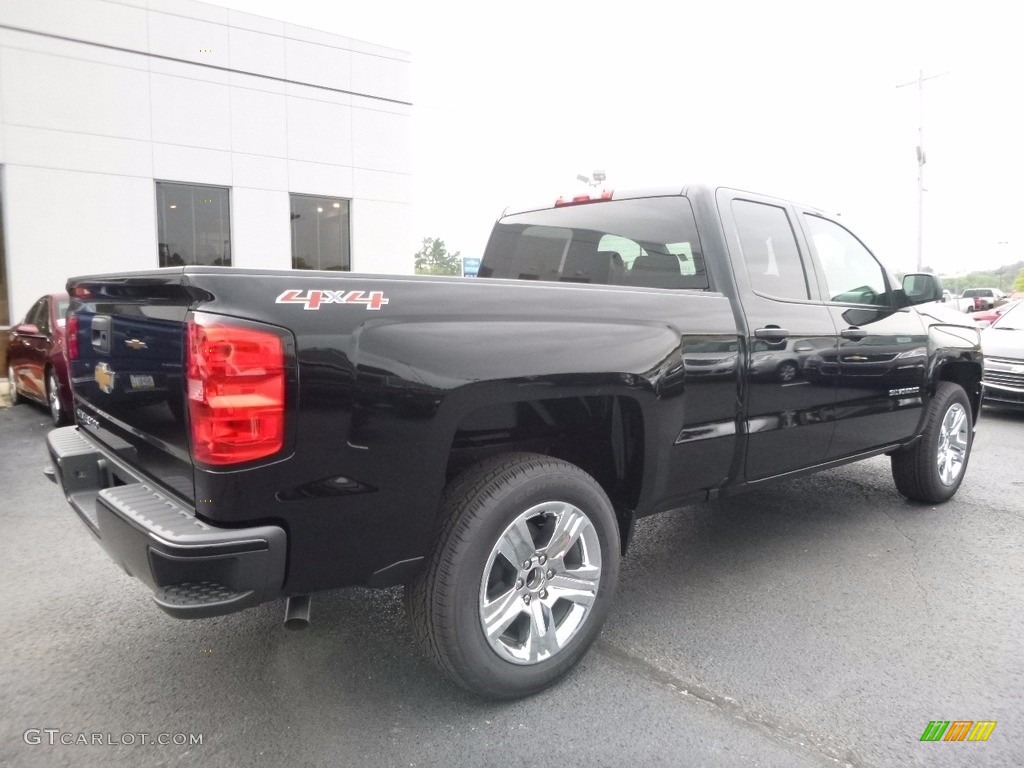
<point x="1003" y="345"/>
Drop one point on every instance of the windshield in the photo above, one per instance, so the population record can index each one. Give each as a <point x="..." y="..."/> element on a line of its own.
<point x="649" y="242"/>
<point x="1012" y="319"/>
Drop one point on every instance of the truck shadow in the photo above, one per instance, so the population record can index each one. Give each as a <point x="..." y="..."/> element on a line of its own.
<point x="358" y="660"/>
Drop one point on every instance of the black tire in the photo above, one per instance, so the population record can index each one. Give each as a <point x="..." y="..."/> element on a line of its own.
<point x="12" y="391"/>
<point x="58" y="413"/>
<point x="482" y="510"/>
<point x="916" y="470"/>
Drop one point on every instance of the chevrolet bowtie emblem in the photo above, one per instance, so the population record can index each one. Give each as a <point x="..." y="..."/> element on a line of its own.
<point x="135" y="344"/>
<point x="104" y="377"/>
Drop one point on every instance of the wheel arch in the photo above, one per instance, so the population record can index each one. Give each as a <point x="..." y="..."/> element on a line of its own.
<point x="602" y="433"/>
<point x="965" y="373"/>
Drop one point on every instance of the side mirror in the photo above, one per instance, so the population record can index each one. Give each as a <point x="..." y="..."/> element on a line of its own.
<point x="922" y="287"/>
<point x="27" y="329"/>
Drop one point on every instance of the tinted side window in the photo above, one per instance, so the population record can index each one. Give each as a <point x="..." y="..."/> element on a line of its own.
<point x="648" y="242"/>
<point x="769" y="250"/>
<point x="43" y="316"/>
<point x="37" y="315"/>
<point x="852" y="274"/>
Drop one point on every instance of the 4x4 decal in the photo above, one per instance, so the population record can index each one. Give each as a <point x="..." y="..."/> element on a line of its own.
<point x="314" y="299"/>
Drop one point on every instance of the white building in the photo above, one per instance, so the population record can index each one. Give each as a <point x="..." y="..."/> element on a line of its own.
<point x="141" y="133"/>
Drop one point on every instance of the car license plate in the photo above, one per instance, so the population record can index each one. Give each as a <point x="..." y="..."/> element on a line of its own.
<point x="141" y="381"/>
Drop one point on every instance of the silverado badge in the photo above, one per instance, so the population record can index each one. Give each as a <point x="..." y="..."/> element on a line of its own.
<point x="104" y="377"/>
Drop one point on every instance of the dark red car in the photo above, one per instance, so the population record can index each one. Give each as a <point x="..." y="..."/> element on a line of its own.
<point x="986" y="317"/>
<point x="36" y="367"/>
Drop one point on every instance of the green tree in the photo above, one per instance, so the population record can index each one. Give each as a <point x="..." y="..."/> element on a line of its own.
<point x="433" y="259"/>
<point x="1018" y="284"/>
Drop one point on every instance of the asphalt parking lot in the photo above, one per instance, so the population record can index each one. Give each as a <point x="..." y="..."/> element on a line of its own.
<point x="822" y="621"/>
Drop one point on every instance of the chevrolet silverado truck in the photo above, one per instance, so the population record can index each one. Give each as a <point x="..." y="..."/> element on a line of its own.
<point x="244" y="436"/>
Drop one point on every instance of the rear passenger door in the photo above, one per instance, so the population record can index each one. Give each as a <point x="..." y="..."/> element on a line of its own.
<point x="788" y="413"/>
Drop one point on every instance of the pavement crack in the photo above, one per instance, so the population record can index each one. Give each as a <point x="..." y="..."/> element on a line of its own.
<point x="913" y="567"/>
<point x="819" y="746"/>
<point x="899" y="530"/>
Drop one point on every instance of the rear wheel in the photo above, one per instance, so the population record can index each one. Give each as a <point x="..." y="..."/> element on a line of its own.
<point x="57" y="412"/>
<point x="932" y="470"/>
<point x="522" y="575"/>
<point x="12" y="388"/>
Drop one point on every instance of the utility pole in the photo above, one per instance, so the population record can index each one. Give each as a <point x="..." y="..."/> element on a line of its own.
<point x="921" y="159"/>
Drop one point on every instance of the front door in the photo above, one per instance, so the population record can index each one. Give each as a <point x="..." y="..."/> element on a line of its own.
<point x="880" y="365"/>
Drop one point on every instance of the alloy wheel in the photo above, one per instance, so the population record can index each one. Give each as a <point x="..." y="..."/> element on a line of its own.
<point x="953" y="437"/>
<point x="540" y="582"/>
<point x="53" y="398"/>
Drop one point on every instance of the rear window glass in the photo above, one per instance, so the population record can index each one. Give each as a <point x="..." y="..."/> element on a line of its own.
<point x="648" y="242"/>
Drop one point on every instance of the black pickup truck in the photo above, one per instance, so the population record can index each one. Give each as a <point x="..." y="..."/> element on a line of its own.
<point x="245" y="436"/>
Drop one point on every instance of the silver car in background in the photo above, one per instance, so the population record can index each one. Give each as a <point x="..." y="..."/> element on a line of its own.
<point x="1003" y="345"/>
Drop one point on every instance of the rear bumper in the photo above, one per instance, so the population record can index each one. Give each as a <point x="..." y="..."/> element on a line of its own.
<point x="195" y="569"/>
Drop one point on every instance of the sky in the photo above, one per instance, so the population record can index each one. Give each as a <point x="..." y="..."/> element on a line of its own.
<point x="790" y="98"/>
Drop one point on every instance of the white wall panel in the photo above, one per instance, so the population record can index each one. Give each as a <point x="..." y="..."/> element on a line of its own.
<point x="92" y="20"/>
<point x="67" y="94"/>
<point x="259" y="171"/>
<point x="381" y="140"/>
<point x="191" y="9"/>
<point x="189" y="71"/>
<point x="259" y="123"/>
<point x="191" y="112"/>
<point x="319" y="179"/>
<point x="258" y="83"/>
<point x="172" y="162"/>
<point x="385" y="186"/>
<point x="74" y="50"/>
<point x="316" y="36"/>
<point x="361" y="46"/>
<point x="381" y="76"/>
<point x="65" y="223"/>
<point x="312" y="93"/>
<point x="254" y="23"/>
<point x="261" y="229"/>
<point x="319" y="132"/>
<point x="257" y="52"/>
<point x="78" y="152"/>
<point x="190" y="39"/>
<point x="381" y="237"/>
<point x="319" y="64"/>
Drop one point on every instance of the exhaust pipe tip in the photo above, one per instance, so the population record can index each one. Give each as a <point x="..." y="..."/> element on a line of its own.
<point x="296" y="613"/>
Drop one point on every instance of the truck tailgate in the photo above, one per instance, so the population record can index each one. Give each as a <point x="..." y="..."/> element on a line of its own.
<point x="126" y="342"/>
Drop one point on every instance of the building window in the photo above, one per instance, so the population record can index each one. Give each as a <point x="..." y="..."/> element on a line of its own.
<point x="320" y="233"/>
<point x="194" y="225"/>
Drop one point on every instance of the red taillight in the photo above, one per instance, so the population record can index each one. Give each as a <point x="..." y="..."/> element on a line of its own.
<point x="236" y="383"/>
<point x="71" y="337"/>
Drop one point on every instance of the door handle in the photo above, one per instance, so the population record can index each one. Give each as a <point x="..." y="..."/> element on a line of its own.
<point x="771" y="333"/>
<point x="853" y="333"/>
